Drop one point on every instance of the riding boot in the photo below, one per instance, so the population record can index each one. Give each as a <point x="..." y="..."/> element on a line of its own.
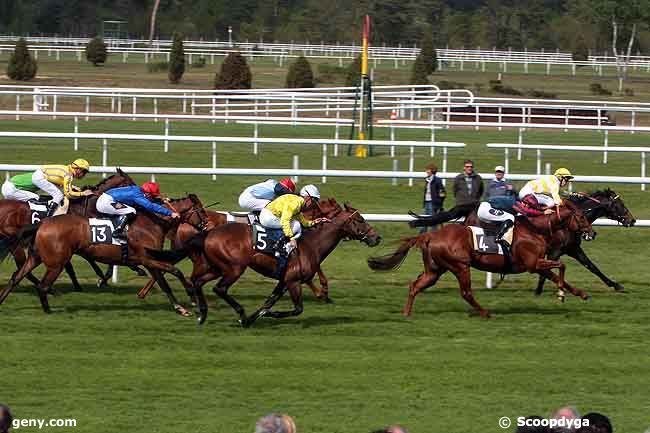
<point x="51" y="208"/>
<point x="503" y="230"/>
<point x="120" y="225"/>
<point x="500" y="239"/>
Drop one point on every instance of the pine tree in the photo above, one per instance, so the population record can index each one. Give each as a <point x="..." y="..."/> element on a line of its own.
<point x="234" y="74"/>
<point x="176" y="59"/>
<point x="21" y="66"/>
<point x="300" y="74"/>
<point x="96" y="51"/>
<point x="353" y="78"/>
<point x="428" y="51"/>
<point x="419" y="73"/>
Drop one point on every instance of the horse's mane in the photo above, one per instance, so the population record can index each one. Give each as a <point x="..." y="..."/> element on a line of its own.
<point x="103" y="181"/>
<point x="580" y="198"/>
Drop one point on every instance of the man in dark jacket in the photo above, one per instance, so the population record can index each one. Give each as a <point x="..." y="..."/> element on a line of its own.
<point x="500" y="186"/>
<point x="434" y="193"/>
<point x="468" y="190"/>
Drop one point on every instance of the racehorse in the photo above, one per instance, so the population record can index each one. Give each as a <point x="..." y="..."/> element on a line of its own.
<point x="15" y="215"/>
<point x="451" y="249"/>
<point x="227" y="251"/>
<point x="58" y="238"/>
<point x="185" y="232"/>
<point x="596" y="205"/>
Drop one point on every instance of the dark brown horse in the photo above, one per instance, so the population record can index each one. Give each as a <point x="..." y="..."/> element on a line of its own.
<point x="451" y="249"/>
<point x="185" y="232"/>
<point x="58" y="238"/>
<point x="227" y="251"/>
<point x="15" y="215"/>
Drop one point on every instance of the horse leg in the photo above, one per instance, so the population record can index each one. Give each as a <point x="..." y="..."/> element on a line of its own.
<point x="73" y="277"/>
<point x="268" y="304"/>
<point x="574" y="291"/>
<point x="32" y="262"/>
<point x="221" y="289"/>
<point x="160" y="279"/>
<point x="554" y="255"/>
<point x="296" y="297"/>
<point x="46" y="284"/>
<point x="424" y="280"/>
<point x="20" y="259"/>
<point x="138" y="270"/>
<point x="197" y="283"/>
<point x="547" y="265"/>
<point x="144" y="291"/>
<point x="465" y="281"/>
<point x="324" y="286"/>
<point x="579" y="254"/>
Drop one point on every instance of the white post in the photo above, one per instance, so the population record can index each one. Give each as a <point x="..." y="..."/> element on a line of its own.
<point x="226" y="109"/>
<point x="184" y="103"/>
<point x="539" y="161"/>
<point x="520" y="141"/>
<point x="104" y="154"/>
<point x="255" y="135"/>
<point x="166" y="142"/>
<point x="392" y="138"/>
<point x="87" y="107"/>
<point x="395" y="165"/>
<point x="214" y="110"/>
<point x="54" y="105"/>
<point x="17" y="106"/>
<point x="336" y="137"/>
<point x="411" y="162"/>
<point x="643" y="169"/>
<point x="632" y="121"/>
<point x="547" y="168"/>
<point x="606" y="144"/>
<point x="488" y="280"/>
<point x="76" y="131"/>
<point x="114" y="277"/>
<point x="296" y="165"/>
<point x="444" y="164"/>
<point x="506" y="162"/>
<point x="155" y="109"/>
<point x="324" y="162"/>
<point x="135" y="104"/>
<point x="214" y="158"/>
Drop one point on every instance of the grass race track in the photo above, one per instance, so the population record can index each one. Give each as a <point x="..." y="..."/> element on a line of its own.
<point x="115" y="363"/>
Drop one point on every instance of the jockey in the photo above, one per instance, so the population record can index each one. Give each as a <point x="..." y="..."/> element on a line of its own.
<point x="119" y="201"/>
<point x="503" y="209"/>
<point x="257" y="196"/>
<point x="285" y="212"/>
<point x="547" y="188"/>
<point x="49" y="178"/>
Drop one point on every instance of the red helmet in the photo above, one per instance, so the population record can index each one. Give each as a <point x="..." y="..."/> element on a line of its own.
<point x="288" y="183"/>
<point x="531" y="201"/>
<point x="151" y="188"/>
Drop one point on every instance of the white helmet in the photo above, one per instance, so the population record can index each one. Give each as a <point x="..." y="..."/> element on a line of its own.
<point x="311" y="191"/>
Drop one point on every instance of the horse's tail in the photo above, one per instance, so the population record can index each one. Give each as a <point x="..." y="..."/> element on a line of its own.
<point x="8" y="244"/>
<point x="177" y="254"/>
<point x="393" y="261"/>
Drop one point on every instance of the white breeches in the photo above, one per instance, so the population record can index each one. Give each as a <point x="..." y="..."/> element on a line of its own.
<point x="10" y="192"/>
<point x="105" y="204"/>
<point x="267" y="219"/>
<point x="39" y="180"/>
<point x="488" y="214"/>
<point x="543" y="199"/>
<point x="249" y="201"/>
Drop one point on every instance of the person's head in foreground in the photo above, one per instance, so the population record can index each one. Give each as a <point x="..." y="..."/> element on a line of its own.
<point x="568" y="413"/>
<point x="275" y="423"/>
<point x="392" y="429"/>
<point x="598" y="423"/>
<point x="533" y="427"/>
<point x="5" y="418"/>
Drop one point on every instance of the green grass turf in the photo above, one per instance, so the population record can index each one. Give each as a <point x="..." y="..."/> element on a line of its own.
<point x="116" y="363"/>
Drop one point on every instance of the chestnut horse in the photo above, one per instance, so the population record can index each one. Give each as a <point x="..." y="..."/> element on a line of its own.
<point x="227" y="251"/>
<point x="15" y="215"/>
<point x="185" y="232"/>
<point x="451" y="249"/>
<point x="58" y="238"/>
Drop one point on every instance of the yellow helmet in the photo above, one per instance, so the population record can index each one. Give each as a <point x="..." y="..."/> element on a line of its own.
<point x="563" y="173"/>
<point x="80" y="163"/>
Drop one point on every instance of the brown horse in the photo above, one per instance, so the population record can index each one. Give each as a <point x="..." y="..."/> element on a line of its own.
<point x="58" y="238"/>
<point x="227" y="251"/>
<point x="185" y="232"/>
<point x="451" y="249"/>
<point x="15" y="215"/>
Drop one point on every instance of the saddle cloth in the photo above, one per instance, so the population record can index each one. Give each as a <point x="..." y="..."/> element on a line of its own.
<point x="484" y="243"/>
<point x="265" y="240"/>
<point x="242" y="217"/>
<point x="38" y="210"/>
<point x="101" y="231"/>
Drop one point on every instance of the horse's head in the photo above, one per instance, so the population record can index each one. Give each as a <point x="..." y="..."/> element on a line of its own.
<point x="353" y="225"/>
<point x="614" y="207"/>
<point x="113" y="181"/>
<point x="191" y="211"/>
<point x="571" y="216"/>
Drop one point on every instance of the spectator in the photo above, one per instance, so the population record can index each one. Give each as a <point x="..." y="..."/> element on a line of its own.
<point x="598" y="423"/>
<point x="533" y="429"/>
<point x="499" y="186"/>
<point x="468" y="190"/>
<point x="434" y="193"/>
<point x="567" y="412"/>
<point x="392" y="429"/>
<point x="5" y="418"/>
<point x="275" y="423"/>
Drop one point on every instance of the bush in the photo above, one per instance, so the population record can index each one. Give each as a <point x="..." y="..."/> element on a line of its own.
<point x="353" y="77"/>
<point x="300" y="74"/>
<point x="199" y="63"/>
<point x="628" y="92"/>
<point x="176" y="59"/>
<point x="498" y="87"/>
<point x="21" y="66"/>
<point x="419" y="71"/>
<point x="534" y="93"/>
<point x="154" y="67"/>
<point x="96" y="51"/>
<point x="450" y="85"/>
<point x="598" y="89"/>
<point x="428" y="52"/>
<point x="234" y="73"/>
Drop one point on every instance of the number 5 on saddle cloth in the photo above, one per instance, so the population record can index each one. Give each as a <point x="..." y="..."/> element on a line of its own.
<point x="271" y="242"/>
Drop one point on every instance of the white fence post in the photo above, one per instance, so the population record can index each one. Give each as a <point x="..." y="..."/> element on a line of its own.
<point x="643" y="169"/>
<point x="214" y="158"/>
<point x="395" y="168"/>
<point x="411" y="163"/>
<point x="166" y="142"/>
<point x="76" y="131"/>
<point x="255" y="135"/>
<point x="104" y="155"/>
<point x="606" y="143"/>
<point x="324" y="162"/>
<point x="296" y="166"/>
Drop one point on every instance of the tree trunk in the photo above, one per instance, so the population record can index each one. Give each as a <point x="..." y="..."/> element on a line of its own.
<point x="152" y="26"/>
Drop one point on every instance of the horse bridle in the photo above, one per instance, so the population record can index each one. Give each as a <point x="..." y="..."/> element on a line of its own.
<point x="185" y="217"/>
<point x="360" y="236"/>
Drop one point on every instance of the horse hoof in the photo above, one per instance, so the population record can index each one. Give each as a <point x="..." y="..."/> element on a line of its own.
<point x="587" y="298"/>
<point x="618" y="287"/>
<point x="328" y="300"/>
<point x="202" y="316"/>
<point x="244" y="323"/>
<point x="101" y="284"/>
<point x="182" y="311"/>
